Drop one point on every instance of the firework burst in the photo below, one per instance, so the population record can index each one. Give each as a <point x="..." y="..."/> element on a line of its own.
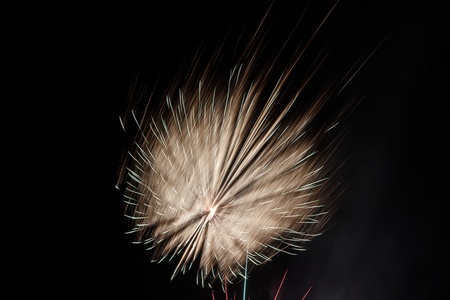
<point x="225" y="174"/>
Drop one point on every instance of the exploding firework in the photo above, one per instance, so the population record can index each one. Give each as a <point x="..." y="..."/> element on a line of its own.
<point x="226" y="175"/>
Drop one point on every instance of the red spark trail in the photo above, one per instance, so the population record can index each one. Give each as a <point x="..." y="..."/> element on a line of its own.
<point x="307" y="292"/>
<point x="279" y="288"/>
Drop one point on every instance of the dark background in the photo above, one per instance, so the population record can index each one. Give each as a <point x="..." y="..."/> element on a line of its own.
<point x="384" y="243"/>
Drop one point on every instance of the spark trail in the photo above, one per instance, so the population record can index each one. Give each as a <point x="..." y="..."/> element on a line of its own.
<point x="276" y="295"/>
<point x="224" y="174"/>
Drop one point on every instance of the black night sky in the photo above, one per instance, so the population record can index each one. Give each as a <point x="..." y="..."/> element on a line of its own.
<point x="386" y="240"/>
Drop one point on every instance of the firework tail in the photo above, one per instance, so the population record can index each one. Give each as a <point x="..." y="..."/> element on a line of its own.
<point x="279" y="288"/>
<point x="276" y="295"/>
<point x="307" y="292"/>
<point x="245" y="278"/>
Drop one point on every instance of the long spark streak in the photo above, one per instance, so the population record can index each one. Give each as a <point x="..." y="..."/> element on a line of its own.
<point x="245" y="278"/>
<point x="307" y="292"/>
<point x="279" y="288"/>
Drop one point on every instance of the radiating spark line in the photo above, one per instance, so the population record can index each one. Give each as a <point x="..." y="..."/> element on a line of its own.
<point x="307" y="292"/>
<point x="279" y="288"/>
<point x="245" y="278"/>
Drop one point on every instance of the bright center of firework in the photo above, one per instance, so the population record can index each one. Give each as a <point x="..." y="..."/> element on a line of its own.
<point x="211" y="212"/>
